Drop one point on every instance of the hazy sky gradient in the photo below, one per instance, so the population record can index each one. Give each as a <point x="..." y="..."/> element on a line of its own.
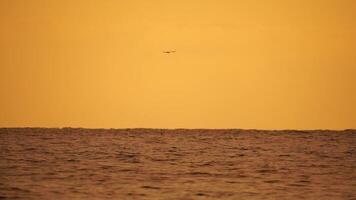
<point x="276" y="64"/>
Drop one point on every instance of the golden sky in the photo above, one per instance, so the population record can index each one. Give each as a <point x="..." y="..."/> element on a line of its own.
<point x="276" y="64"/>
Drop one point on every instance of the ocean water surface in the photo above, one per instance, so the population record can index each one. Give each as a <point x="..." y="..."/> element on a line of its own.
<point x="176" y="164"/>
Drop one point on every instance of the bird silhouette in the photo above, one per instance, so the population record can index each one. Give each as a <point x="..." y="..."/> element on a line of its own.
<point x="168" y="52"/>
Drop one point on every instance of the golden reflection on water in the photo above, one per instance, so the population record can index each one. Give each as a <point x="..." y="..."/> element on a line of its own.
<point x="176" y="164"/>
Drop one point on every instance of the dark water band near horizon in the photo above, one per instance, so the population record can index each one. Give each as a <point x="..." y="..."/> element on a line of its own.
<point x="177" y="164"/>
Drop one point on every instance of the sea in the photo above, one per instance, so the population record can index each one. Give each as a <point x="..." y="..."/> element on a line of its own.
<point x="77" y="163"/>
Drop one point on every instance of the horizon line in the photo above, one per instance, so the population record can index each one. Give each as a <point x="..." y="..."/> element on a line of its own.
<point x="181" y="128"/>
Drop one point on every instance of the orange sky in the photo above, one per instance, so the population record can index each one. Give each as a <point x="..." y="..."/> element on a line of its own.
<point x="277" y="64"/>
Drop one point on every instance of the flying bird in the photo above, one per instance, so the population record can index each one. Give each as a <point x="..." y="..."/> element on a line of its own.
<point x="168" y="52"/>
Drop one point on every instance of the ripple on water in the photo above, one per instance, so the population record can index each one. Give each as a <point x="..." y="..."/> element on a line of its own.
<point x="176" y="164"/>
